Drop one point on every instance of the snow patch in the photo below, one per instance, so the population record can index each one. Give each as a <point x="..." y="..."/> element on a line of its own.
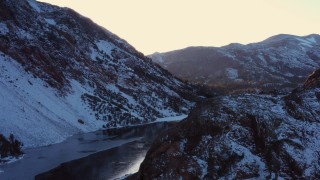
<point x="3" y="29"/>
<point x="34" y="5"/>
<point x="183" y="144"/>
<point x="129" y="98"/>
<point x="10" y="159"/>
<point x="249" y="157"/>
<point x="105" y="46"/>
<point x="94" y="54"/>
<point x="203" y="165"/>
<point x="232" y="73"/>
<point x="312" y="40"/>
<point x="22" y="34"/>
<point x="50" y="21"/>
<point x="113" y="88"/>
<point x="206" y="139"/>
<point x="104" y="49"/>
<point x="305" y="42"/>
<point x="171" y="118"/>
<point x="278" y="110"/>
<point x="289" y="74"/>
<point x="262" y="60"/>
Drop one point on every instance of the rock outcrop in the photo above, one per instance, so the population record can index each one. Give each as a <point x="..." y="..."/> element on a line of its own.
<point x="243" y="136"/>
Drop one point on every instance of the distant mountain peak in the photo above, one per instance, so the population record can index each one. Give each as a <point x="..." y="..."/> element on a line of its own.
<point x="279" y="37"/>
<point x="278" y="62"/>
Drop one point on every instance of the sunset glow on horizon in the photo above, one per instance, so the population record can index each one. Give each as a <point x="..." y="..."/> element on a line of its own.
<point x="167" y="25"/>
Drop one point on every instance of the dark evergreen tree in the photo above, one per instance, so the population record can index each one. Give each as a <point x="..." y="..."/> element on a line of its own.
<point x="10" y="146"/>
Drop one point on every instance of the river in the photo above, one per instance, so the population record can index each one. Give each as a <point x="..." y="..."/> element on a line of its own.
<point x="107" y="154"/>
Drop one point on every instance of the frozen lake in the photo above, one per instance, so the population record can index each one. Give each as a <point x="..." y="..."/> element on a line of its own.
<point x="107" y="154"/>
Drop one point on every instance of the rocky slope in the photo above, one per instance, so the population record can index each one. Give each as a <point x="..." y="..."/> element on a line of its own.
<point x="61" y="74"/>
<point x="243" y="136"/>
<point x="280" y="61"/>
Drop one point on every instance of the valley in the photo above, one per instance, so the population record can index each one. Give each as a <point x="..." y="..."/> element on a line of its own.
<point x="79" y="102"/>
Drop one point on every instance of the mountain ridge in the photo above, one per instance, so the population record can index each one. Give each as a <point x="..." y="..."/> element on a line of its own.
<point x="281" y="59"/>
<point x="63" y="74"/>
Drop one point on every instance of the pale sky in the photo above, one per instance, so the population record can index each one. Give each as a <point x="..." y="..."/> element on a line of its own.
<point x="165" y="25"/>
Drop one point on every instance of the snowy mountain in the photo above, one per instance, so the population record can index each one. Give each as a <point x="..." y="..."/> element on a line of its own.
<point x="62" y="74"/>
<point x="279" y="61"/>
<point x="246" y="136"/>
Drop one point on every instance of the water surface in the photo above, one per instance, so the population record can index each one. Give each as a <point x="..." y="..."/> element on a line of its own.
<point x="107" y="154"/>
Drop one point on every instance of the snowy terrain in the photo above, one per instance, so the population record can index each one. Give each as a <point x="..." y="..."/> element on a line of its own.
<point x="247" y="136"/>
<point x="277" y="62"/>
<point x="172" y="118"/>
<point x="34" y="112"/>
<point x="62" y="74"/>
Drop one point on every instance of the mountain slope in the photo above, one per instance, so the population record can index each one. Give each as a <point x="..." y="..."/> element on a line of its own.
<point x="241" y="137"/>
<point x="280" y="61"/>
<point x="62" y="74"/>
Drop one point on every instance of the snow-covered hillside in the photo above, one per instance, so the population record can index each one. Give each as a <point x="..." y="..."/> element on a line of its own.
<point x="279" y="61"/>
<point x="244" y="136"/>
<point x="62" y="74"/>
<point x="34" y="112"/>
